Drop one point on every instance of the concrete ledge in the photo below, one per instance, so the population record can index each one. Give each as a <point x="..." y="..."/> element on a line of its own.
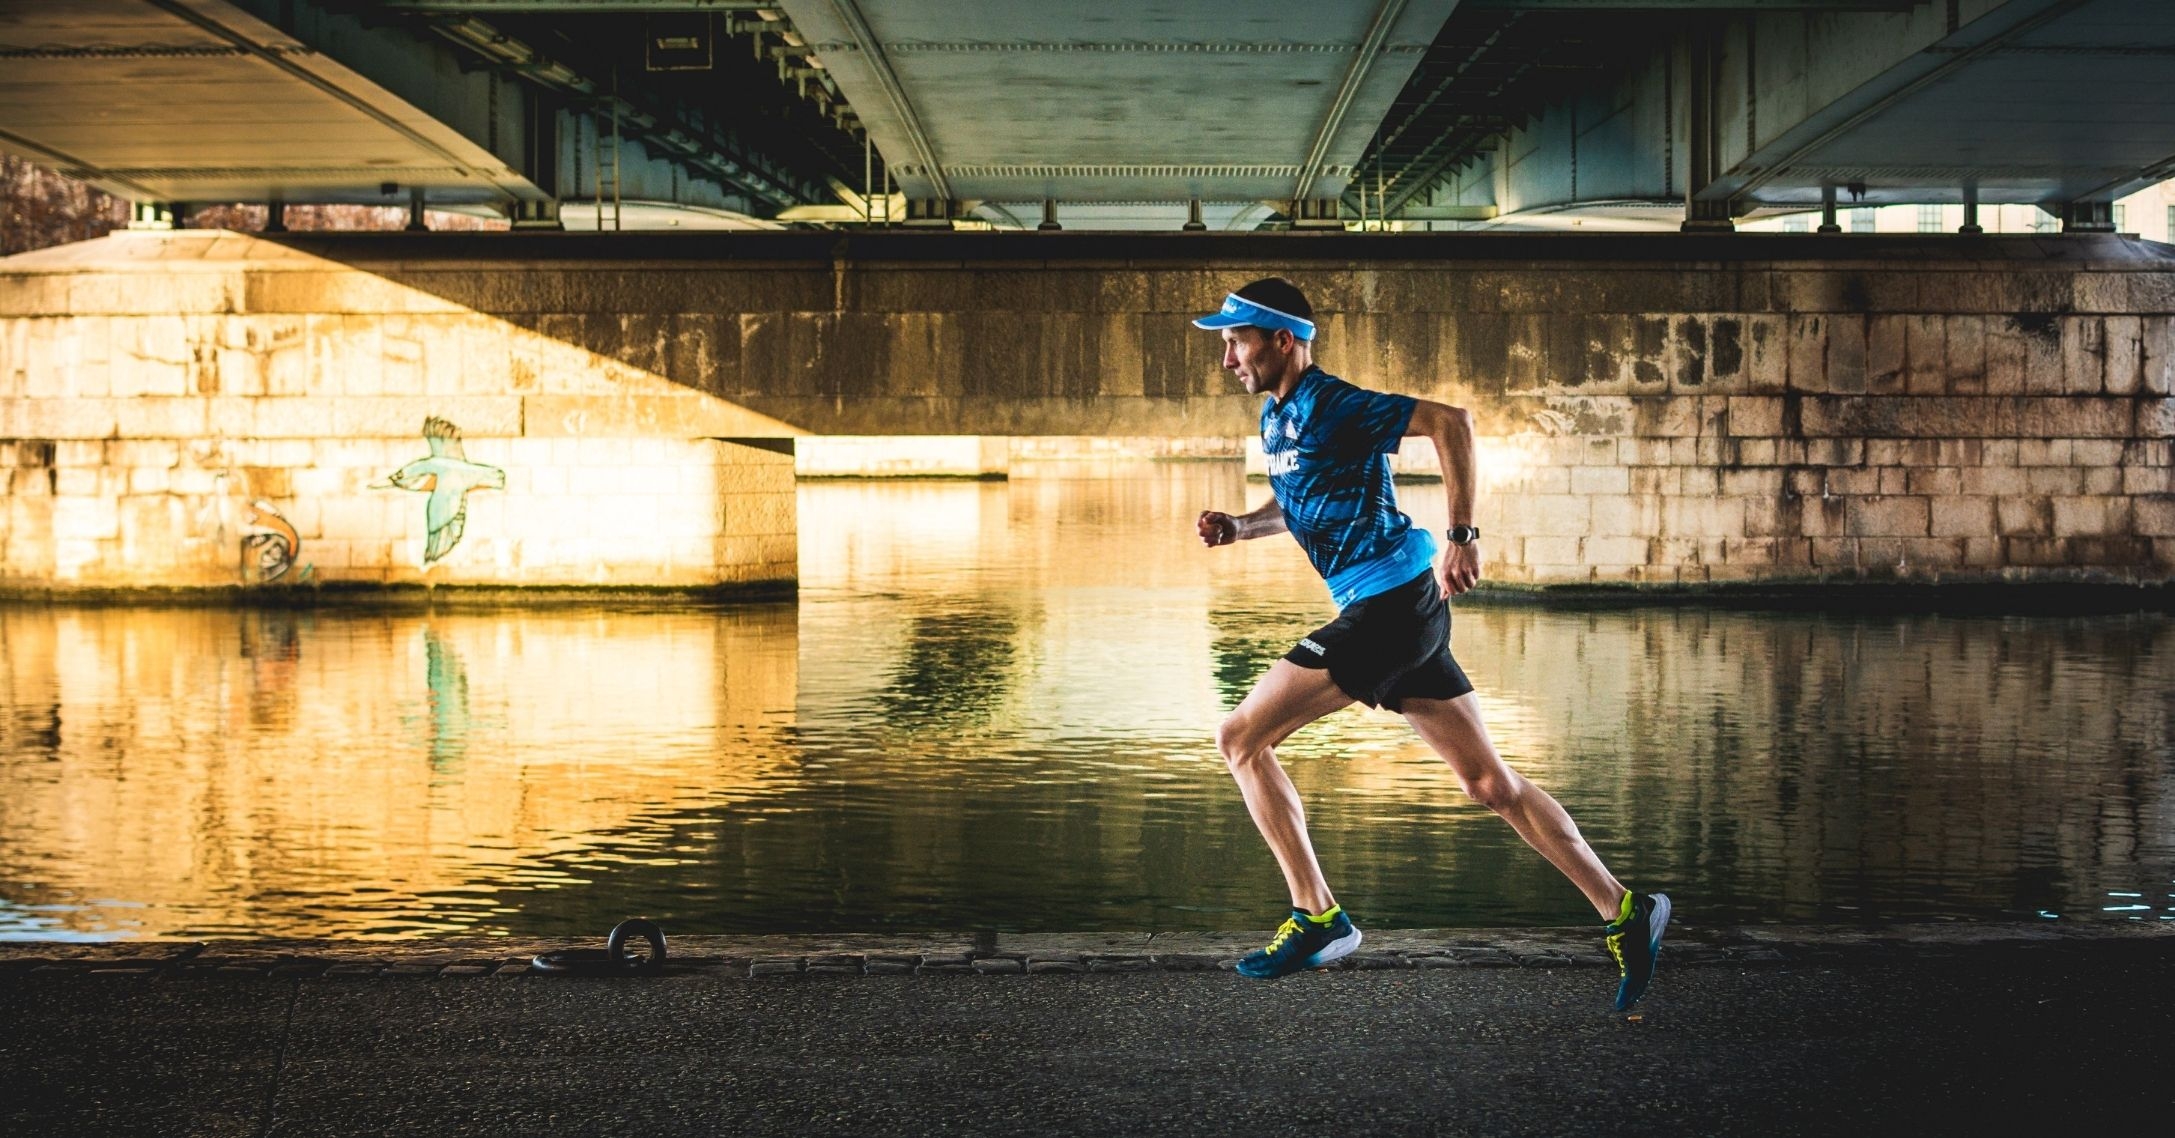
<point x="994" y="954"/>
<point x="395" y="595"/>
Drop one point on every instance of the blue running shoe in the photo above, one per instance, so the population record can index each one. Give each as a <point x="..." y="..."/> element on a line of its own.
<point x="1303" y="942"/>
<point x="1634" y="939"/>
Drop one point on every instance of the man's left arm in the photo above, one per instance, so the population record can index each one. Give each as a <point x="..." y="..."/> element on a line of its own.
<point x="1451" y="428"/>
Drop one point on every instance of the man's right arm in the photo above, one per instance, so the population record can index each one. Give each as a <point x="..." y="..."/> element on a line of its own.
<point x="1219" y="528"/>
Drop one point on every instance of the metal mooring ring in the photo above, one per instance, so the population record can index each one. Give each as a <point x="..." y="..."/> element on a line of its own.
<point x="612" y="959"/>
<point x="629" y="929"/>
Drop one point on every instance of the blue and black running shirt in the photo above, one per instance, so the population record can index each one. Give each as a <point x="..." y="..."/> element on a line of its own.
<point x="1328" y="449"/>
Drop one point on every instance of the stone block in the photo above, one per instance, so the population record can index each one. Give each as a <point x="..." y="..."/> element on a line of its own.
<point x="2031" y="516"/>
<point x="2156" y="355"/>
<point x="2089" y="516"/>
<point x="1762" y="452"/>
<point x="1847" y="363"/>
<point x="1623" y="514"/>
<point x="1886" y="337"/>
<point x="1764" y="482"/>
<point x="1617" y="551"/>
<point x="2045" y="349"/>
<point x="2096" y="452"/>
<point x="1767" y="353"/>
<point x="1807" y="351"/>
<point x="1963" y="517"/>
<point x="1555" y="515"/>
<point x="1926" y="356"/>
<point x="1933" y="481"/>
<point x="1600" y="480"/>
<point x="1688" y="363"/>
<point x="1991" y="480"/>
<point x="86" y="518"/>
<point x="1966" y="358"/>
<point x="2153" y="517"/>
<point x="2006" y="358"/>
<point x="2053" y="480"/>
<point x="1918" y="416"/>
<point x="1755" y="415"/>
<point x="2122" y="365"/>
<point x="2084" y="355"/>
<point x="2147" y="480"/>
<point x="2155" y="417"/>
<point x="2080" y="417"/>
<point x="1889" y="516"/>
<point x="1551" y="550"/>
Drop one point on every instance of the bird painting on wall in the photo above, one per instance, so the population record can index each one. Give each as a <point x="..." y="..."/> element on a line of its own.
<point x="447" y="476"/>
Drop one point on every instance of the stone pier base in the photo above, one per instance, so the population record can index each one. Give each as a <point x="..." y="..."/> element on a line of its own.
<point x="162" y="425"/>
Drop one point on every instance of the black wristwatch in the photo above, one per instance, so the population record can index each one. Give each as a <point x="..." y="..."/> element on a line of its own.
<point x="1463" y="535"/>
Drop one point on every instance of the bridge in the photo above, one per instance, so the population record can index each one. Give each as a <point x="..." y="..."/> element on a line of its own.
<point x="995" y="223"/>
<point x="1132" y="113"/>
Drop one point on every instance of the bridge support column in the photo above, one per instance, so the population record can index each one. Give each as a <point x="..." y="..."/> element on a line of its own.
<point x="275" y="216"/>
<point x="2088" y="217"/>
<point x="535" y="215"/>
<point x="1971" y="210"/>
<point x="1315" y="213"/>
<point x="930" y="213"/>
<point x="415" y="211"/>
<point x="1827" y="211"/>
<point x="1703" y="215"/>
<point x="1194" y="224"/>
<point x="151" y="215"/>
<point x="1049" y="216"/>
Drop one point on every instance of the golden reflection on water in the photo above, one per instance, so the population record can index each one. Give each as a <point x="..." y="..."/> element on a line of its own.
<point x="992" y="705"/>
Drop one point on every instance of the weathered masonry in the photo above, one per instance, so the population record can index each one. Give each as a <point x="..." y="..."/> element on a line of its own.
<point x="1656" y="409"/>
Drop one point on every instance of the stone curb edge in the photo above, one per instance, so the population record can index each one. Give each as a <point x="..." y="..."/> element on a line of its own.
<point x="759" y="957"/>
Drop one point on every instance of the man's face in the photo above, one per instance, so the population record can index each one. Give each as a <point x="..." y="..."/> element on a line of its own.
<point x="1257" y="357"/>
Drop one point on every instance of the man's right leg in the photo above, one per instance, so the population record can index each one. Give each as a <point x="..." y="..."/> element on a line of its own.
<point x="1287" y="698"/>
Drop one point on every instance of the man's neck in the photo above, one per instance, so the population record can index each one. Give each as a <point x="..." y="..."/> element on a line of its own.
<point x="1300" y="366"/>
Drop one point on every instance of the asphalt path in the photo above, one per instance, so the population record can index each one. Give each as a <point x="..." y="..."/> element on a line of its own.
<point x="1970" y="1039"/>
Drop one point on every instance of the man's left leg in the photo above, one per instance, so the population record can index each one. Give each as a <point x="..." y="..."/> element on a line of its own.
<point x="1452" y="727"/>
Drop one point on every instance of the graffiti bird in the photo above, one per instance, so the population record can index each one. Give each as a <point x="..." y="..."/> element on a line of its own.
<point x="447" y="476"/>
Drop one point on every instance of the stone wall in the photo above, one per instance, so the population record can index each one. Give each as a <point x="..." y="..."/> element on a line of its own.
<point x="157" y="430"/>
<point x="1655" y="409"/>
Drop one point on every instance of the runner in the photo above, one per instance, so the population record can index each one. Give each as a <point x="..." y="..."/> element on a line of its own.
<point x="1328" y="445"/>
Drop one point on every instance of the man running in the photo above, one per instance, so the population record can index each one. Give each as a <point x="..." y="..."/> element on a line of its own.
<point x="1328" y="445"/>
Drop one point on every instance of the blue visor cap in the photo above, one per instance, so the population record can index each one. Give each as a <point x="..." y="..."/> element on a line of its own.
<point x="1239" y="312"/>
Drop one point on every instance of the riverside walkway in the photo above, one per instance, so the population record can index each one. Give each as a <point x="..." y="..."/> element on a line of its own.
<point x="1930" y="1029"/>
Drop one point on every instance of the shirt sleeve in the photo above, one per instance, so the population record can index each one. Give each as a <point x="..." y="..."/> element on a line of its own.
<point x="1370" y="422"/>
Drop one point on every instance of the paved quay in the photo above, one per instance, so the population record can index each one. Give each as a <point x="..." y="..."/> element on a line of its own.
<point x="1932" y="1029"/>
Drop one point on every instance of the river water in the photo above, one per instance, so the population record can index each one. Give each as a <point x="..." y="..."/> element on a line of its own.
<point x="992" y="706"/>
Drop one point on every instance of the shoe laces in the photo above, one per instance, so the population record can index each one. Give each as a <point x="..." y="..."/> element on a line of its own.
<point x="1284" y="932"/>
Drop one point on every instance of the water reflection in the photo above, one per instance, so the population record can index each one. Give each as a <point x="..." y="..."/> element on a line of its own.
<point x="992" y="706"/>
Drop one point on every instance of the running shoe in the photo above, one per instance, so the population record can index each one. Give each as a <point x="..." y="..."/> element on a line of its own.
<point x="1303" y="942"/>
<point x="1634" y="939"/>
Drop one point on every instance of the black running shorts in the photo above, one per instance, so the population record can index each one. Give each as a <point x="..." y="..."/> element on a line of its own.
<point x="1388" y="648"/>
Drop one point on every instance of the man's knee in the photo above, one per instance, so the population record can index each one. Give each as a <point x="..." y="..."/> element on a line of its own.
<point x="1498" y="788"/>
<point x="1237" y="742"/>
